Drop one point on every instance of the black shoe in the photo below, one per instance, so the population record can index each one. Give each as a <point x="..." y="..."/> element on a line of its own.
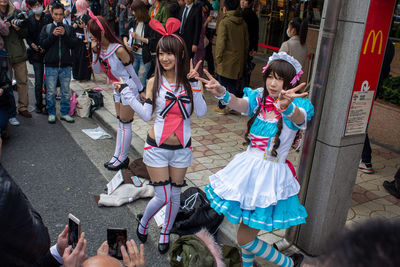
<point x="163" y="247"/>
<point x="108" y="163"/>
<point x="142" y="237"/>
<point x="391" y="188"/>
<point x="297" y="259"/>
<point x="122" y="165"/>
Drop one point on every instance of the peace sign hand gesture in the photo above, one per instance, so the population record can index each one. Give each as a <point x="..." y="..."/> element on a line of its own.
<point x="286" y="97"/>
<point x="193" y="71"/>
<point x="212" y="85"/>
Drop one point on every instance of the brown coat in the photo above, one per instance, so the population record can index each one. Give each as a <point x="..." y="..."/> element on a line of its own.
<point x="232" y="45"/>
<point x="295" y="49"/>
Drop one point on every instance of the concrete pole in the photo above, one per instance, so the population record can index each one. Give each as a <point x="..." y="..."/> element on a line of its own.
<point x="336" y="157"/>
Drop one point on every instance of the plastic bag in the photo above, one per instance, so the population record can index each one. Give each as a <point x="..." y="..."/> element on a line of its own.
<point x="73" y="102"/>
<point x="83" y="106"/>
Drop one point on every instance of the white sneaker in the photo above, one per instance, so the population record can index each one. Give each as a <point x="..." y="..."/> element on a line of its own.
<point x="13" y="121"/>
<point x="366" y="167"/>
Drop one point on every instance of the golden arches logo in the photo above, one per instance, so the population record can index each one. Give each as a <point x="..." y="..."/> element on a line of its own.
<point x="374" y="39"/>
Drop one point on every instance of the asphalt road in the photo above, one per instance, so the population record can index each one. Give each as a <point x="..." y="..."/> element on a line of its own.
<point x="60" y="169"/>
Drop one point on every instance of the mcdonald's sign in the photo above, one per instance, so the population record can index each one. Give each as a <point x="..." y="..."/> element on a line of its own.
<point x="376" y="33"/>
<point x="374" y="39"/>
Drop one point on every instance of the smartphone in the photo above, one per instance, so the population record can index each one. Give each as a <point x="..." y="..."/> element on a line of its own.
<point x="116" y="237"/>
<point x="74" y="230"/>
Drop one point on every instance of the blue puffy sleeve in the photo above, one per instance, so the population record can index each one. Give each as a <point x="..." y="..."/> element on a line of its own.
<point x="306" y="108"/>
<point x="251" y="96"/>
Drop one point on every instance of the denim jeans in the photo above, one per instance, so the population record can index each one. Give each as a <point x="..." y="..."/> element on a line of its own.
<point x="12" y="110"/>
<point x="230" y="85"/>
<point x="121" y="27"/>
<point x="366" y="155"/>
<point x="64" y="74"/>
<point x="3" y="119"/>
<point x="38" y="68"/>
<point x="141" y="69"/>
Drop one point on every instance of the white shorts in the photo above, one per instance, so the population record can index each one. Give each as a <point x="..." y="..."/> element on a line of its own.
<point x="160" y="157"/>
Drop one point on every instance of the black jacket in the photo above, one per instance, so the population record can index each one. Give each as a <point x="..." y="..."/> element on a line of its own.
<point x="5" y="82"/>
<point x="252" y="26"/>
<point x="148" y="33"/>
<point x="34" y="29"/>
<point x="58" y="48"/>
<point x="192" y="27"/>
<point x="24" y="239"/>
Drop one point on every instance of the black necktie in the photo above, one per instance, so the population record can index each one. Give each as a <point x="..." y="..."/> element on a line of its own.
<point x="183" y="20"/>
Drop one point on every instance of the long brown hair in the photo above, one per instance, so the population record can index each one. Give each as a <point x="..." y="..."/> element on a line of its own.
<point x="95" y="30"/>
<point x="141" y="11"/>
<point x="171" y="44"/>
<point x="284" y="70"/>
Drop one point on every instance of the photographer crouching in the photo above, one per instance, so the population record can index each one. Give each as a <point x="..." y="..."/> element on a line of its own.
<point x="15" y="46"/>
<point x="57" y="39"/>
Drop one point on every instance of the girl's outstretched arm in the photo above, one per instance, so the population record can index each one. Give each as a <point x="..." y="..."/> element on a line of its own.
<point x="220" y="92"/>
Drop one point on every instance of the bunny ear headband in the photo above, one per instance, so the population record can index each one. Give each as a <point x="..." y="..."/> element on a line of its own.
<point x="95" y="19"/>
<point x="283" y="56"/>
<point x="171" y="26"/>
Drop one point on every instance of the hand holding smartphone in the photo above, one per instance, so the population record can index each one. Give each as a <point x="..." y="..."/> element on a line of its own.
<point x="74" y="230"/>
<point x="116" y="237"/>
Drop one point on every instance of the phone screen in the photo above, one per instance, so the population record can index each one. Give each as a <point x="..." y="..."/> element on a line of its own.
<point x="116" y="237"/>
<point x="73" y="230"/>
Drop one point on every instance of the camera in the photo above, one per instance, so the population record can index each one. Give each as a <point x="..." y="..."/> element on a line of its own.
<point x="20" y="19"/>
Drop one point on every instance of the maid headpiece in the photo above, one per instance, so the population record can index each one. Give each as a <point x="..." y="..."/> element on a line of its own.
<point x="283" y="56"/>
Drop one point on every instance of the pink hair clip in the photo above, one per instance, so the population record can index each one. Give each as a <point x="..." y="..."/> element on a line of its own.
<point x="171" y="26"/>
<point x="96" y="19"/>
<point x="264" y="69"/>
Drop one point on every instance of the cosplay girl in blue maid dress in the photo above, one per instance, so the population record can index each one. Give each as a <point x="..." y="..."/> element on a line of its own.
<point x="258" y="188"/>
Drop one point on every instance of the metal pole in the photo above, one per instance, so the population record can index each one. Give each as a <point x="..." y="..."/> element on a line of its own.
<point x="318" y="89"/>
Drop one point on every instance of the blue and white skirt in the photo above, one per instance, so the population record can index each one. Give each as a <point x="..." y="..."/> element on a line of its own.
<point x="259" y="192"/>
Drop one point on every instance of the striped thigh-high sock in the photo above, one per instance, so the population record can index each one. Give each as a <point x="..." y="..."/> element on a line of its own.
<point x="267" y="252"/>
<point x="162" y="195"/>
<point x="247" y="258"/>
<point x="170" y="213"/>
<point x="123" y="142"/>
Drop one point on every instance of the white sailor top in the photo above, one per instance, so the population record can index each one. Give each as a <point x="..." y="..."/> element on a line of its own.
<point x="114" y="69"/>
<point x="172" y="110"/>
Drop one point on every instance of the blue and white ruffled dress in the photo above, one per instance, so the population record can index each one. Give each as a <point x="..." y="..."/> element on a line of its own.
<point x="255" y="187"/>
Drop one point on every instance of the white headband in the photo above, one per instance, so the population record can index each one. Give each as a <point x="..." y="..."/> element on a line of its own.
<point x="283" y="56"/>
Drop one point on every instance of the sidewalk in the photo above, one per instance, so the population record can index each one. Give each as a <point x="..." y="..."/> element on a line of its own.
<point x="217" y="138"/>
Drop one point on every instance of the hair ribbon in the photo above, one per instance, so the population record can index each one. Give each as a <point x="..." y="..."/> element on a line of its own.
<point x="171" y="26"/>
<point x="92" y="16"/>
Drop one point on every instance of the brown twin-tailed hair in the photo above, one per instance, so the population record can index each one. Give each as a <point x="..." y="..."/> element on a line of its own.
<point x="109" y="34"/>
<point x="171" y="44"/>
<point x="279" y="69"/>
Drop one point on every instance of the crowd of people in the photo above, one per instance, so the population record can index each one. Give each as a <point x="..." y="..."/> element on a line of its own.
<point x="153" y="52"/>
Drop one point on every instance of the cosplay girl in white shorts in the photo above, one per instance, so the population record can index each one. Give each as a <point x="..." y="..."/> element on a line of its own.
<point x="172" y="95"/>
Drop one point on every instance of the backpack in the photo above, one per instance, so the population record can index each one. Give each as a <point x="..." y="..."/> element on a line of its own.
<point x="97" y="100"/>
<point x="195" y="213"/>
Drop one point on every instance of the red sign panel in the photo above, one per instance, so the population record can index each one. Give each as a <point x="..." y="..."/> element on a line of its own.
<point x="369" y="65"/>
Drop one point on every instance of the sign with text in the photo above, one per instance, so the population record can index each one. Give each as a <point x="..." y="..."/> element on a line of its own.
<point x="369" y="65"/>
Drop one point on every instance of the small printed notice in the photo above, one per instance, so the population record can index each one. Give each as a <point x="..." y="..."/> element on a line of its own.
<point x="159" y="217"/>
<point x="115" y="182"/>
<point x="360" y="108"/>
